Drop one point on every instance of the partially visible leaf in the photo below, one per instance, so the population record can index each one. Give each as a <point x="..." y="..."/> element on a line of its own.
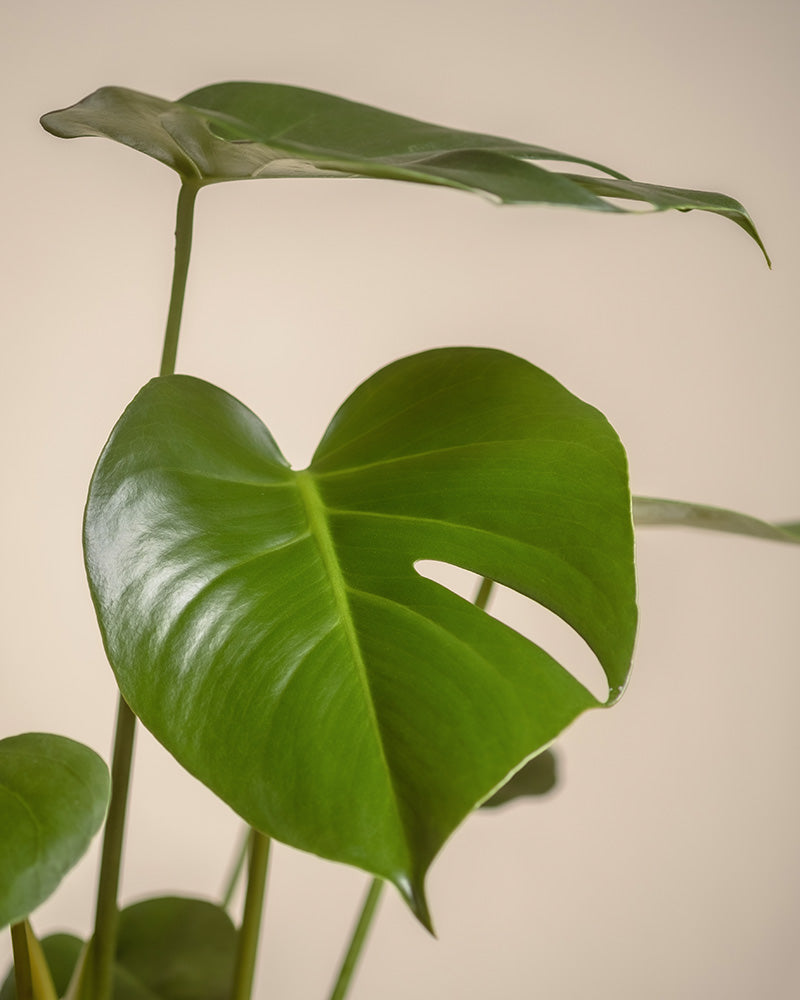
<point x="61" y="952"/>
<point x="124" y="985"/>
<point x="240" y="130"/>
<point x="180" y="949"/>
<point x="53" y="798"/>
<point x="271" y="630"/>
<point x="167" y="949"/>
<point x="651" y="511"/>
<point x="536" y="777"/>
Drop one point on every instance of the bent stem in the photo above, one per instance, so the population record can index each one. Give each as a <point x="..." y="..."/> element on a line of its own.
<point x="251" y="919"/>
<point x="107" y="912"/>
<point x="362" y="927"/>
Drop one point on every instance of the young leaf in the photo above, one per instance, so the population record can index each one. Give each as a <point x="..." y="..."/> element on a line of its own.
<point x="237" y="130"/>
<point x="53" y="798"/>
<point x="269" y="626"/>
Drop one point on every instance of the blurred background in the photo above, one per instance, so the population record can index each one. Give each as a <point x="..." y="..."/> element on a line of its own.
<point x="667" y="863"/>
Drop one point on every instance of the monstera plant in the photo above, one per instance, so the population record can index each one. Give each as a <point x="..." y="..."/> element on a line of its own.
<point x="270" y="626"/>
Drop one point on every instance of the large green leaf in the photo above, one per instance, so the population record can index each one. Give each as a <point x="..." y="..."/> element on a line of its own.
<point x="269" y="626"/>
<point x="237" y="130"/>
<point x="167" y="949"/>
<point x="53" y="798"/>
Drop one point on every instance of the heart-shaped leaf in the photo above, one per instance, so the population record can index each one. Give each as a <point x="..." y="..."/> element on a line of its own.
<point x="167" y="949"/>
<point x="269" y="626"/>
<point x="230" y="131"/>
<point x="53" y="798"/>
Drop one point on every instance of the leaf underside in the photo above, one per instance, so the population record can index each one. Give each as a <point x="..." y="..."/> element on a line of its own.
<point x="53" y="798"/>
<point x="269" y="626"/>
<point x="240" y="130"/>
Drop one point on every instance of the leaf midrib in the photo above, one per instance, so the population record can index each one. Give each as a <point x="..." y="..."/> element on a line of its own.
<point x="320" y="532"/>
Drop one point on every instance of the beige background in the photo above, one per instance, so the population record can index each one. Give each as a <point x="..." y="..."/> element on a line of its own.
<point x="668" y="864"/>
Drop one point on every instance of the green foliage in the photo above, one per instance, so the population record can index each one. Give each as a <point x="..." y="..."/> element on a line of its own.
<point x="232" y="131"/>
<point x="61" y="952"/>
<point x="179" y="949"/>
<point x="364" y="710"/>
<point x="53" y="797"/>
<point x="168" y="949"/>
<point x="269" y="625"/>
<point x="536" y="777"/>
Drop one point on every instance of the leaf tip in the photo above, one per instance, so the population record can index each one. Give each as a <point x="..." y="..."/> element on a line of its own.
<point x="47" y="123"/>
<point x="413" y="892"/>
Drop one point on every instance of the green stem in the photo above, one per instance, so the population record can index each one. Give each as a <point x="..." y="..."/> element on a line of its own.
<point x="251" y="919"/>
<point x="23" y="977"/>
<point x="357" y="940"/>
<point x="183" y="249"/>
<point x="482" y="597"/>
<point x="106" y="912"/>
<point x="239" y="859"/>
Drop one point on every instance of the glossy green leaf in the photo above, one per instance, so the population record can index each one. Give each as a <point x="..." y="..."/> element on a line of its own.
<point x="269" y="626"/>
<point x="237" y="130"/>
<point x="536" y="777"/>
<point x="53" y="798"/>
<point x="678" y="513"/>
